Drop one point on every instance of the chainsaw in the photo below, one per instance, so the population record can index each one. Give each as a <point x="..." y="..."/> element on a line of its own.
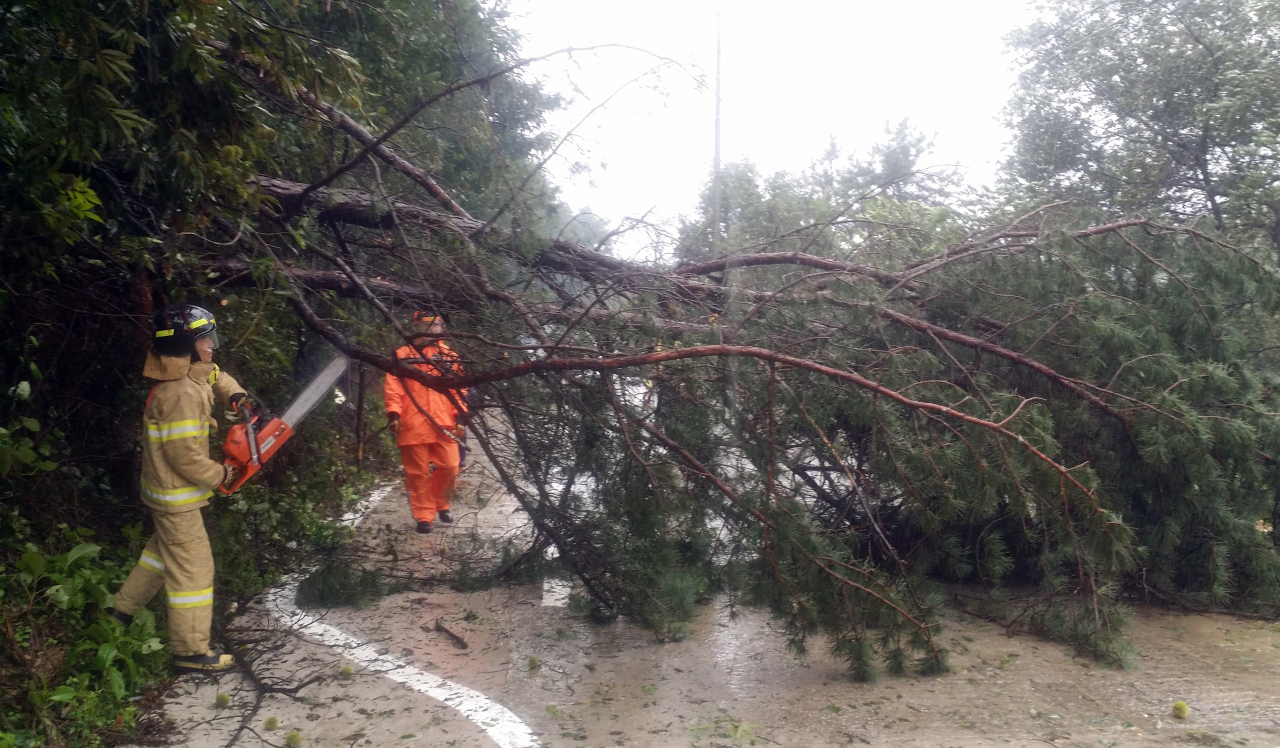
<point x="260" y="434"/>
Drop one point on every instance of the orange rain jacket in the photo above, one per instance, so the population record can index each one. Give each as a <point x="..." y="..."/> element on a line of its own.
<point x="401" y="395"/>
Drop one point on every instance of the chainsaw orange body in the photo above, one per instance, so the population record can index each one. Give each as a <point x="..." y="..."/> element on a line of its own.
<point x="270" y="435"/>
<point x="260" y="434"/>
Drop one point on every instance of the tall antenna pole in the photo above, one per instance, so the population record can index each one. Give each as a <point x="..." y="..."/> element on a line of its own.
<point x="715" y="168"/>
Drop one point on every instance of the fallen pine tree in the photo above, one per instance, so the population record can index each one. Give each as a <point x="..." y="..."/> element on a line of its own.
<point x="856" y="400"/>
<point x="839" y="400"/>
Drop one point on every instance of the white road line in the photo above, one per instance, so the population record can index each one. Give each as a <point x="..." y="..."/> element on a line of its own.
<point x="555" y="593"/>
<point x="498" y="722"/>
<point x="366" y="505"/>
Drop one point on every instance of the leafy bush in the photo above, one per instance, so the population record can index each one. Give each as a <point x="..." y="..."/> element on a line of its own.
<point x="65" y="681"/>
<point x="338" y="583"/>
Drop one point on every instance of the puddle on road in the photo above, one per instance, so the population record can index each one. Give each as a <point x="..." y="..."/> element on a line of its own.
<point x="733" y="682"/>
<point x="577" y="683"/>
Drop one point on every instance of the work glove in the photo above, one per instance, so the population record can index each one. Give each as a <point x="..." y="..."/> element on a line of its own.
<point x="393" y="422"/>
<point x="460" y="431"/>
<point x="241" y="408"/>
<point x="231" y="473"/>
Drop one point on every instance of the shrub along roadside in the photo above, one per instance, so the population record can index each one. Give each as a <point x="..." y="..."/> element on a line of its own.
<point x="71" y="675"/>
<point x="65" y="682"/>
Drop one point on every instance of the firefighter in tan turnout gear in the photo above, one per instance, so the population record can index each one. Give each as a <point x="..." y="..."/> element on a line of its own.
<point x="178" y="477"/>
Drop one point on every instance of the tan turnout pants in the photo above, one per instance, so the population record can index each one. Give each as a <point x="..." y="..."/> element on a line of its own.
<point x="178" y="558"/>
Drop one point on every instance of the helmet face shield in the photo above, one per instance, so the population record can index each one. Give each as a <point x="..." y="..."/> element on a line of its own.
<point x="179" y="326"/>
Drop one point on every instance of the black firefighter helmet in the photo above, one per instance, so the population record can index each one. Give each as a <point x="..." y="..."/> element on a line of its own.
<point x="179" y="326"/>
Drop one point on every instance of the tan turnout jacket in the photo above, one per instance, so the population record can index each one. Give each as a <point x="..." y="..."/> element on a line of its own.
<point x="177" y="472"/>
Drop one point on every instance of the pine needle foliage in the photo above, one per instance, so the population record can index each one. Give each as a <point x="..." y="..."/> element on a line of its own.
<point x="1057" y="408"/>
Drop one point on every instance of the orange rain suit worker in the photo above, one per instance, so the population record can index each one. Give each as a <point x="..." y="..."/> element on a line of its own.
<point x="428" y="450"/>
<point x="178" y="477"/>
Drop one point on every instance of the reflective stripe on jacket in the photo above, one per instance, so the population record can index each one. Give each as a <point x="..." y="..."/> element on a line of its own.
<point x="177" y="473"/>
<point x="414" y="426"/>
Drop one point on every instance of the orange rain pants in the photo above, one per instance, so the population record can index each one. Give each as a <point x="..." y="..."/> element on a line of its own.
<point x="430" y="474"/>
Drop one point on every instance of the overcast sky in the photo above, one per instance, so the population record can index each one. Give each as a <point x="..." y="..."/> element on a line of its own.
<point x="795" y="74"/>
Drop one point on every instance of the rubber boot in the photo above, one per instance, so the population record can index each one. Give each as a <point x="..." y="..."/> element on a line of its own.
<point x="124" y="618"/>
<point x="205" y="663"/>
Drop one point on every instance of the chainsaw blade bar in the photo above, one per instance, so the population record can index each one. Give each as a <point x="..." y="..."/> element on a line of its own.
<point x="314" y="392"/>
<point x="254" y="455"/>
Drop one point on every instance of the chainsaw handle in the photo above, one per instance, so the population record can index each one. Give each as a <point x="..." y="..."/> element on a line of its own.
<point x="246" y="413"/>
<point x="243" y="473"/>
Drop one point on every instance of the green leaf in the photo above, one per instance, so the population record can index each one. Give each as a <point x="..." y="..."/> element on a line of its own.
<point x="63" y="693"/>
<point x="81" y="552"/>
<point x="106" y="655"/>
<point x="31" y="424"/>
<point x="33" y="563"/>
<point x="59" y="595"/>
<point x="116" y="681"/>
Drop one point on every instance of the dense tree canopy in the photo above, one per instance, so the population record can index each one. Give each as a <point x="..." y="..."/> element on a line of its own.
<point x="871" y="395"/>
<point x="1166" y="108"/>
